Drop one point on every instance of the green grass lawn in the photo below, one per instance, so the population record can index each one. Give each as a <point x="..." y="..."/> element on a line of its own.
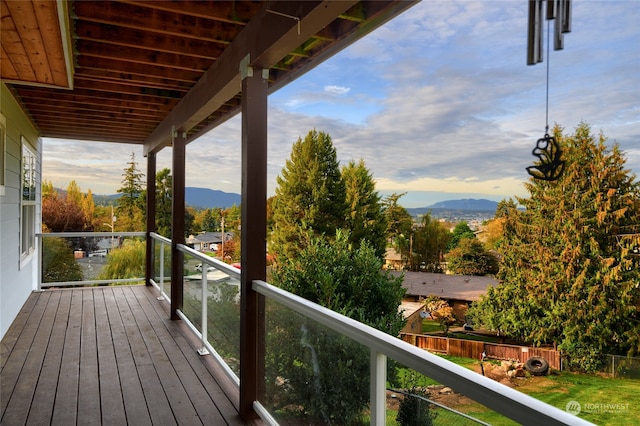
<point x="603" y="400"/>
<point x="431" y="326"/>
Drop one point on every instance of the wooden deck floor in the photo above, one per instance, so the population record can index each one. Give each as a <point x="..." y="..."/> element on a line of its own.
<point x="108" y="355"/>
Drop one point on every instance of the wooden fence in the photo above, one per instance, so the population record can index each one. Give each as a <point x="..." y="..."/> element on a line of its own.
<point x="474" y="349"/>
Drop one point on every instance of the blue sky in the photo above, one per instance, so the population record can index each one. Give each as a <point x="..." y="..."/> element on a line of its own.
<point x="439" y="103"/>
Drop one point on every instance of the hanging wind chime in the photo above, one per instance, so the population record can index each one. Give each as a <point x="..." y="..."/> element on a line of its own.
<point x="550" y="165"/>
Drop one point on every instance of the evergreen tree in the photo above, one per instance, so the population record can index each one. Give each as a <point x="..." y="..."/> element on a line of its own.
<point x="164" y="197"/>
<point x="310" y="195"/>
<point x="504" y="207"/>
<point x="471" y="258"/>
<point x="565" y="277"/>
<point x="131" y="204"/>
<point x="211" y="220"/>
<point x="365" y="219"/>
<point x="415" y="409"/>
<point x="325" y="373"/>
<point x="189" y="215"/>
<point x="460" y="231"/>
<point x="493" y="230"/>
<point x="428" y="245"/>
<point x="398" y="219"/>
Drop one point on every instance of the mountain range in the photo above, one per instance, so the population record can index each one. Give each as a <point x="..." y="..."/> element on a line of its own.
<point x="194" y="197"/>
<point x="466" y="204"/>
<point x="450" y="208"/>
<point x="208" y="198"/>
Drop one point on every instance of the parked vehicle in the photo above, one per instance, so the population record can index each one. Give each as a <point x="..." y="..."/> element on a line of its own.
<point x="98" y="253"/>
<point x="209" y="268"/>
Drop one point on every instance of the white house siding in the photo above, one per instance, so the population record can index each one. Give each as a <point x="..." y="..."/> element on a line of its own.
<point x="17" y="278"/>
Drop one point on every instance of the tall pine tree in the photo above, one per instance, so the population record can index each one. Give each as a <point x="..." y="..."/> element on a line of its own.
<point x="131" y="204"/>
<point x="565" y="278"/>
<point x="310" y="195"/>
<point x="364" y="217"/>
<point x="164" y="196"/>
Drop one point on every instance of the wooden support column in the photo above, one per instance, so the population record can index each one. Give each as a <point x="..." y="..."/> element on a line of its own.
<point x="151" y="215"/>
<point x="177" y="221"/>
<point x="253" y="235"/>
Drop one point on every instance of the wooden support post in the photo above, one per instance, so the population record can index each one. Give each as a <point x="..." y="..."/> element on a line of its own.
<point x="177" y="221"/>
<point x="151" y="216"/>
<point x="253" y="236"/>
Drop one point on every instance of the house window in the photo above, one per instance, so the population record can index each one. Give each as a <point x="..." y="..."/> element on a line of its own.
<point x="3" y="151"/>
<point x="28" y="202"/>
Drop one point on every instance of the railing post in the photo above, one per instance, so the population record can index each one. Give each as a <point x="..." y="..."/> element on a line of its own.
<point x="162" y="267"/>
<point x="204" y="316"/>
<point x="151" y="215"/>
<point x="40" y="249"/>
<point x="378" y="388"/>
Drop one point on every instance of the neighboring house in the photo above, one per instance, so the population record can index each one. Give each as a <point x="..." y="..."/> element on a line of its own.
<point x="411" y="312"/>
<point x="108" y="244"/>
<point x="393" y="260"/>
<point x="208" y="241"/>
<point x="458" y="290"/>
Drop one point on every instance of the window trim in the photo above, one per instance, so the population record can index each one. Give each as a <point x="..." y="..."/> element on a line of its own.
<point x="28" y="201"/>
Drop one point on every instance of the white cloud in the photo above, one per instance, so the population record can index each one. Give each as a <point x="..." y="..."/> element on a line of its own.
<point x="336" y="90"/>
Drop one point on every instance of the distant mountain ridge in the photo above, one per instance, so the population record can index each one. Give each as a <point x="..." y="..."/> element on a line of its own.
<point x="203" y="198"/>
<point x="449" y="207"/>
<point x="466" y="204"/>
<point x="208" y="198"/>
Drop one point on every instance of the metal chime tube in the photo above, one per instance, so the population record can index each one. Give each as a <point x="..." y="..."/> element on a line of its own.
<point x="558" y="10"/>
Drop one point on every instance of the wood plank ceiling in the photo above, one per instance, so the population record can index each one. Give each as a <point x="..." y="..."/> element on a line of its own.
<point x="134" y="61"/>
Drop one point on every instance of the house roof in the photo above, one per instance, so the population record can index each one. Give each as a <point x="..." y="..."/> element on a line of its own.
<point x="459" y="287"/>
<point x="409" y="308"/>
<point x="209" y="237"/>
<point x="135" y="72"/>
<point x="392" y="255"/>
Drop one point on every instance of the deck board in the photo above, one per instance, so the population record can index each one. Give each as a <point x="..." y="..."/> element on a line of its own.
<point x="89" y="399"/>
<point x="135" y="405"/>
<point x="223" y="390"/>
<point x="112" y="356"/>
<point x="66" y="402"/>
<point x="28" y="377"/>
<point x="11" y="337"/>
<point x="16" y="378"/>
<point x="111" y="399"/>
<point x="45" y="393"/>
<point x="197" y="393"/>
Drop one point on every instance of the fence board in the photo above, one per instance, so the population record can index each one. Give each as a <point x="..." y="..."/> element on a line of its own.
<point x="473" y="349"/>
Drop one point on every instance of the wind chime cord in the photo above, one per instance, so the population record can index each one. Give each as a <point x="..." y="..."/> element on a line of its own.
<point x="546" y="128"/>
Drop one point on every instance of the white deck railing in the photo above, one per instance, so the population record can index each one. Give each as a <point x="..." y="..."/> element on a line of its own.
<point x="496" y="396"/>
<point x="41" y="237"/>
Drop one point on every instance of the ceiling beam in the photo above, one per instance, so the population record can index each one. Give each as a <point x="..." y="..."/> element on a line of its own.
<point x="266" y="40"/>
